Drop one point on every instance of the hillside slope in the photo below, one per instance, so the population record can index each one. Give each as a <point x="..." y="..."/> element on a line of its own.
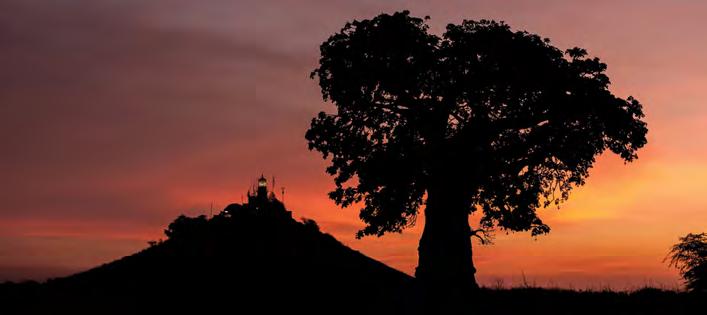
<point x="247" y="260"/>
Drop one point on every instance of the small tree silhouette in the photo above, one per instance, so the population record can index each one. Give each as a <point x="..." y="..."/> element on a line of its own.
<point x="482" y="118"/>
<point x="689" y="256"/>
<point x="184" y="226"/>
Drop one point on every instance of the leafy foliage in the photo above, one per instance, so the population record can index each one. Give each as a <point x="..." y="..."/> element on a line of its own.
<point x="689" y="256"/>
<point x="185" y="226"/>
<point x="510" y="121"/>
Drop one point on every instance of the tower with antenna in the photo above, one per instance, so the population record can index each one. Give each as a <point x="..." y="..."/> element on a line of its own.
<point x="261" y="201"/>
<point x="260" y="194"/>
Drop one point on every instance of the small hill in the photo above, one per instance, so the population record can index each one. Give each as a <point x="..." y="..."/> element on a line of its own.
<point x="250" y="259"/>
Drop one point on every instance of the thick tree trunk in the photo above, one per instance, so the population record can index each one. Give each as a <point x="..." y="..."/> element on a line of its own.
<point x="445" y="268"/>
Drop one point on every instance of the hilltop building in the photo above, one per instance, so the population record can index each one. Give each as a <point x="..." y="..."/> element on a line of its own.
<point x="261" y="202"/>
<point x="259" y="194"/>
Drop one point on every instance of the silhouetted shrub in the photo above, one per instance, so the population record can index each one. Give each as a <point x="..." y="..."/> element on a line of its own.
<point x="184" y="226"/>
<point x="309" y="223"/>
<point x="689" y="256"/>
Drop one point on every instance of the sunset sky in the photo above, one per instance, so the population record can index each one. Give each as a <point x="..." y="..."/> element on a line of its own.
<point x="117" y="116"/>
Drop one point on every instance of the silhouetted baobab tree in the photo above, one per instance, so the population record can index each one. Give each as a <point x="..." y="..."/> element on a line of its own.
<point x="481" y="119"/>
<point x="689" y="256"/>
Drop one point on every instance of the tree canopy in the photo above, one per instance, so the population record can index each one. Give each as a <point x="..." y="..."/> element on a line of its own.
<point x="510" y="120"/>
<point x="689" y="256"/>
